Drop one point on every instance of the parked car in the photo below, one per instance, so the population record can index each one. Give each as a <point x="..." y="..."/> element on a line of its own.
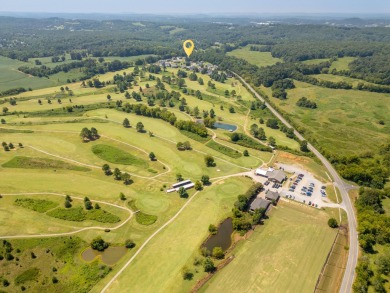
<point x="323" y="187"/>
<point x="308" y="193"/>
<point x="266" y="183"/>
<point x="309" y="203"/>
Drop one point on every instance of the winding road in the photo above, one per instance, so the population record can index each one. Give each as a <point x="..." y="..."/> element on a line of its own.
<point x="348" y="278"/>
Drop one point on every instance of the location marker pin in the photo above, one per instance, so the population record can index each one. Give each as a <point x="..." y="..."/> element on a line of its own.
<point x="188" y="47"/>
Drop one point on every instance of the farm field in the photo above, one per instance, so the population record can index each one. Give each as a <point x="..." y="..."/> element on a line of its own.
<point x="345" y="119"/>
<point x="261" y="59"/>
<point x="286" y="254"/>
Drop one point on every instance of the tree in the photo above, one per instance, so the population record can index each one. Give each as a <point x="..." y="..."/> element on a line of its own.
<point x="109" y="97"/>
<point x="187" y="145"/>
<point x="54" y="280"/>
<point x="126" y="178"/>
<point x="209" y="160"/>
<point x="231" y="109"/>
<point x="129" y="244"/>
<point x="205" y="180"/>
<point x="303" y="146"/>
<point x="85" y="134"/>
<point x="218" y="253"/>
<point x="246" y="153"/>
<point x="152" y="156"/>
<point x="117" y="174"/>
<point x="179" y="177"/>
<point x="122" y="196"/>
<point x="94" y="133"/>
<point x="67" y="197"/>
<point x="272" y="141"/>
<point x="212" y="113"/>
<point x="332" y="222"/>
<point x="196" y="111"/>
<point x="186" y="273"/>
<point x="97" y="206"/>
<point x="126" y="123"/>
<point x="5" y="110"/>
<point x="140" y="127"/>
<point x="208" y="265"/>
<point x="272" y="123"/>
<point x="183" y="192"/>
<point x="88" y="205"/>
<point x="212" y="229"/>
<point x="67" y="204"/>
<point x="99" y="244"/>
<point x="198" y="185"/>
<point x="106" y="169"/>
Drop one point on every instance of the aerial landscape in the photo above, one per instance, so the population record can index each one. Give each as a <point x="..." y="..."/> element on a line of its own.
<point x="195" y="147"/>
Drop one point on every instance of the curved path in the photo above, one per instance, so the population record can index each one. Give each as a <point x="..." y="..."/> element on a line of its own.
<point x="131" y="213"/>
<point x="348" y="278"/>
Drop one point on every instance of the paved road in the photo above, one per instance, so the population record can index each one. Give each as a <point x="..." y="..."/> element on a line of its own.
<point x="346" y="285"/>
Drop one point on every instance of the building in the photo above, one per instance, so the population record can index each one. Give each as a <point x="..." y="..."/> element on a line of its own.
<point x="263" y="172"/>
<point x="259" y="203"/>
<point x="272" y="195"/>
<point x="277" y="176"/>
<point x="186" y="184"/>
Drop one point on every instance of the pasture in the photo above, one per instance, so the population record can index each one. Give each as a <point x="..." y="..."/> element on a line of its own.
<point x="284" y="255"/>
<point x="261" y="59"/>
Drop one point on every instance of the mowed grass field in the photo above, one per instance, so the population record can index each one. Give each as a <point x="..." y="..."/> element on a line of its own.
<point x="260" y="59"/>
<point x="347" y="120"/>
<point x="285" y="255"/>
<point x="158" y="267"/>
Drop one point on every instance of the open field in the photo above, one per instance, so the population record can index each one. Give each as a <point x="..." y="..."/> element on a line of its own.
<point x="176" y="245"/>
<point x="342" y="63"/>
<point x="345" y="119"/>
<point x="261" y="59"/>
<point x="285" y="255"/>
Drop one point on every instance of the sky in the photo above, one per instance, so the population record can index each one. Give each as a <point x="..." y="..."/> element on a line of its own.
<point x="197" y="6"/>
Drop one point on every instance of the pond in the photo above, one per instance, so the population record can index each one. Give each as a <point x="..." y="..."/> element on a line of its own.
<point x="225" y="126"/>
<point x="223" y="238"/>
<point x="109" y="256"/>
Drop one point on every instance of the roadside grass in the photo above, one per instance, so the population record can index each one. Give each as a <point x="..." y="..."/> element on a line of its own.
<point x="284" y="255"/>
<point x="41" y="163"/>
<point x="305" y="163"/>
<point x="260" y="59"/>
<point x="38" y="205"/>
<point x="223" y="149"/>
<point x="145" y="219"/>
<point x="53" y="257"/>
<point x="117" y="156"/>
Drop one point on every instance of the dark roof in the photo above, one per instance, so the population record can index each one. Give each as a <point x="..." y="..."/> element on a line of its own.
<point x="277" y="175"/>
<point x="272" y="195"/>
<point x="259" y="203"/>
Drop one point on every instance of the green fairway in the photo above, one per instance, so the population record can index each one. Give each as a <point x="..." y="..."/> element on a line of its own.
<point x="114" y="155"/>
<point x="176" y="245"/>
<point x="286" y="255"/>
<point x="261" y="59"/>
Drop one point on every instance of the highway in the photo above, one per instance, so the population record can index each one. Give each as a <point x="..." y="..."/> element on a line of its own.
<point x="348" y="278"/>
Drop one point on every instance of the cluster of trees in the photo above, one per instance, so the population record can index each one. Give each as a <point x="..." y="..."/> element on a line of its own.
<point x="306" y="103"/>
<point x="258" y="132"/>
<point x="374" y="232"/>
<point x="279" y="88"/>
<point x="183" y="146"/>
<point x="218" y="76"/>
<point x="246" y="141"/>
<point x="192" y="126"/>
<point x="242" y="220"/>
<point x="155" y="112"/>
<point x="90" y="68"/>
<point x="89" y="134"/>
<point x="99" y="244"/>
<point x="118" y="175"/>
<point x="375" y="68"/>
<point x="9" y="146"/>
<point x="13" y="91"/>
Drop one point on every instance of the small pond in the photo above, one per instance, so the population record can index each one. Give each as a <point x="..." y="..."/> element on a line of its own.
<point x="109" y="256"/>
<point x="225" y="126"/>
<point x="223" y="238"/>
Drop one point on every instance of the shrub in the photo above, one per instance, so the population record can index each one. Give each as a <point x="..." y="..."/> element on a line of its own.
<point x="208" y="265"/>
<point x="332" y="222"/>
<point x="218" y="253"/>
<point x="129" y="243"/>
